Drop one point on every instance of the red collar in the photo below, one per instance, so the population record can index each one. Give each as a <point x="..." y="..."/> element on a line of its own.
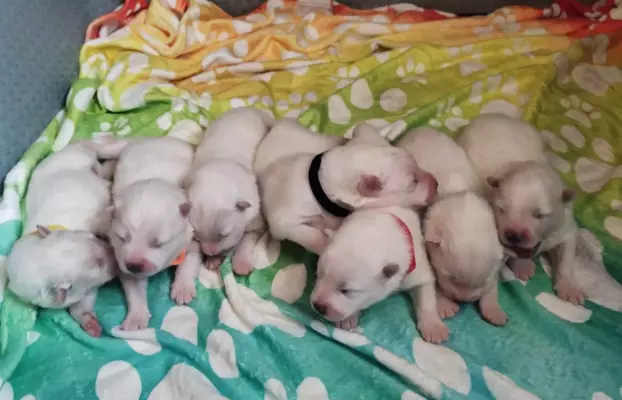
<point x="409" y="236"/>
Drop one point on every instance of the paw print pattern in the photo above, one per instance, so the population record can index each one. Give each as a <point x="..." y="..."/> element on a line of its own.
<point x="467" y="49"/>
<point x="580" y="111"/>
<point x="415" y="71"/>
<point x="520" y="48"/>
<point x="493" y="83"/>
<point x="346" y="76"/>
<point x="454" y="121"/>
<point x="119" y="127"/>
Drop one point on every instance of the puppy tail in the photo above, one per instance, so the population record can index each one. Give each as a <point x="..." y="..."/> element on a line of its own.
<point x="108" y="148"/>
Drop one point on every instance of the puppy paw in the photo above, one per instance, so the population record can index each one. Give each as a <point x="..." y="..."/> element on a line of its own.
<point x="523" y="269"/>
<point x="447" y="308"/>
<point x="433" y="330"/>
<point x="183" y="291"/>
<point x="349" y="323"/>
<point x="569" y="291"/>
<point x="242" y="267"/>
<point x="89" y="322"/>
<point x="494" y="315"/>
<point x="136" y="321"/>
<point x="213" y="263"/>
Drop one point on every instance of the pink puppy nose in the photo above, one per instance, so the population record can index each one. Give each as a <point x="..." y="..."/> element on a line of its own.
<point x="211" y="249"/>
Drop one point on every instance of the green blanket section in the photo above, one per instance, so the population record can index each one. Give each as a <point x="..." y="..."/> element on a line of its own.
<point x="256" y="337"/>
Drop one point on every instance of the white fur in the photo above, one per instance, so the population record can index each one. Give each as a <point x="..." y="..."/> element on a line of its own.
<point x="223" y="189"/>
<point x="438" y="154"/>
<point x="461" y="240"/>
<point x="150" y="227"/>
<point x="64" y="268"/>
<point x="357" y="258"/>
<point x="288" y="137"/>
<point x="345" y="175"/>
<point x="533" y="210"/>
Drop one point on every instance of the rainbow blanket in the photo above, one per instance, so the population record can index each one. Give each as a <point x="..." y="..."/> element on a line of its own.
<point x="176" y="67"/>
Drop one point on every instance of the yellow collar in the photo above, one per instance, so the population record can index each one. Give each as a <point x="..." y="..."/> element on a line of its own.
<point x="50" y="228"/>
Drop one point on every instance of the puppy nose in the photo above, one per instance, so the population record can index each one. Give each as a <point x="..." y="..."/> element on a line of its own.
<point x="513" y="236"/>
<point x="211" y="249"/>
<point x="319" y="307"/>
<point x="134" y="268"/>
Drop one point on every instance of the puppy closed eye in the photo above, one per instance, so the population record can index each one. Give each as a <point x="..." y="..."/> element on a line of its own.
<point x="344" y="290"/>
<point x="540" y="215"/>
<point x="124" y="237"/>
<point x="155" y="243"/>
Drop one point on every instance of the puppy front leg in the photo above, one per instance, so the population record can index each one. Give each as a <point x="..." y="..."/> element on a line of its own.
<point x="490" y="308"/>
<point x="84" y="313"/>
<point x="523" y="268"/>
<point x="138" y="314"/>
<point x="311" y="238"/>
<point x="242" y="261"/>
<point x="183" y="289"/>
<point x="446" y="308"/>
<point x="429" y="323"/>
<point x="563" y="260"/>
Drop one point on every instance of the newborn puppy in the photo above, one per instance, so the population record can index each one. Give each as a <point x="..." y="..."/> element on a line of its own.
<point x="150" y="226"/>
<point x="60" y="262"/>
<point x="438" y="154"/>
<point x="288" y="137"/>
<point x="223" y="189"/>
<point x="461" y="240"/>
<point x="533" y="209"/>
<point x="373" y="254"/>
<point x="305" y="196"/>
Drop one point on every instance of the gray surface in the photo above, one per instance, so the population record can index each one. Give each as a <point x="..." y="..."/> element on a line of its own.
<point x="39" y="49"/>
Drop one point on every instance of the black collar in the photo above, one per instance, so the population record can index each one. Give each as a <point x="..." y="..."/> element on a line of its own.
<point x="320" y="195"/>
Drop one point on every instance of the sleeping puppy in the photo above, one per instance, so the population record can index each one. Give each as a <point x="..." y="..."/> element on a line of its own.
<point x="223" y="189"/>
<point x="374" y="254"/>
<point x="306" y="196"/>
<point x="150" y="227"/>
<point x="466" y="264"/>
<point x="461" y="240"/>
<point x="533" y="209"/>
<point x="60" y="261"/>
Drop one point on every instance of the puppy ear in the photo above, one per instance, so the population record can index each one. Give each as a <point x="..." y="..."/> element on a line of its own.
<point x="389" y="270"/>
<point x="568" y="195"/>
<point x="366" y="134"/>
<point x="369" y="186"/>
<point x="184" y="209"/>
<point x="242" y="205"/>
<point x="42" y="231"/>
<point x="493" y="182"/>
<point x="60" y="292"/>
<point x="433" y="237"/>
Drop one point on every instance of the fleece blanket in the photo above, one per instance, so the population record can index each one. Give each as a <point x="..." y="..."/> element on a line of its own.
<point x="177" y="66"/>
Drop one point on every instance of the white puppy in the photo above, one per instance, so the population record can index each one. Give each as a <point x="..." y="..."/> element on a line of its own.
<point x="461" y="240"/>
<point x="373" y="254"/>
<point x="288" y="137"/>
<point x="60" y="262"/>
<point x="223" y="188"/>
<point x="150" y="227"/>
<point x="438" y="154"/>
<point x="305" y="197"/>
<point x="532" y="207"/>
<point x="466" y="264"/>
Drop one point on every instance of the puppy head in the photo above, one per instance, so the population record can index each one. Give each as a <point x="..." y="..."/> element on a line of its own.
<point x="57" y="269"/>
<point x="368" y="172"/>
<point x="364" y="262"/>
<point x="462" y="244"/>
<point x="150" y="226"/>
<point x="529" y="202"/>
<point x="224" y="200"/>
